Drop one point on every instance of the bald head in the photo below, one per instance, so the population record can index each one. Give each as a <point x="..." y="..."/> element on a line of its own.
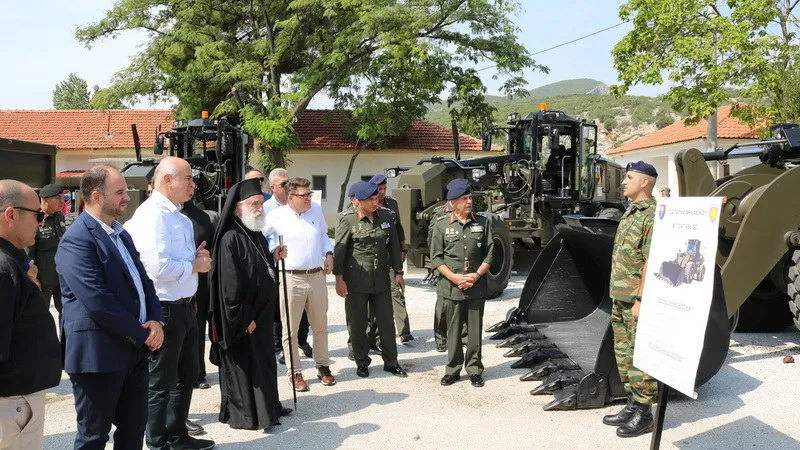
<point x="173" y="179"/>
<point x="18" y="206"/>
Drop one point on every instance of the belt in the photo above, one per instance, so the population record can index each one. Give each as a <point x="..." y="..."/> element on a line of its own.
<point x="304" y="272"/>
<point x="180" y="301"/>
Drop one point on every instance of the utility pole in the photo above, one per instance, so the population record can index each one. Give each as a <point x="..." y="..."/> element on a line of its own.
<point x="711" y="128"/>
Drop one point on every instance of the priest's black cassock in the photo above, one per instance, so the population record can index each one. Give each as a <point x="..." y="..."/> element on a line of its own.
<point x="244" y="288"/>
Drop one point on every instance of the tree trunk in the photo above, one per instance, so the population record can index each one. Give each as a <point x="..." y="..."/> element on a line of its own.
<point x="343" y="192"/>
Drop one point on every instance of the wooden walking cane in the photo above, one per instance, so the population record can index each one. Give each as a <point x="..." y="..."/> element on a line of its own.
<point x="288" y="321"/>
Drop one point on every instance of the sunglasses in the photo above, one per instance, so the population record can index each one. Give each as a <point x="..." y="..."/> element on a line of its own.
<point x="39" y="213"/>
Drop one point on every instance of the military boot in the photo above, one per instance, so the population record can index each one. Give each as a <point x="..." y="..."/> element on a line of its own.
<point x="621" y="417"/>
<point x="640" y="423"/>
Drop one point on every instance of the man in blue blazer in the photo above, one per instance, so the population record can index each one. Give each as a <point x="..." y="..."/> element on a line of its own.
<point x="111" y="319"/>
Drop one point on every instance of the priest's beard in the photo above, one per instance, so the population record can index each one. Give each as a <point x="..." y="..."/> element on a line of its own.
<point x="252" y="220"/>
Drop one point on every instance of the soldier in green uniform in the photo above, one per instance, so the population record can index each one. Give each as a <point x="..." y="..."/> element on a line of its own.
<point x="366" y="248"/>
<point x="43" y="251"/>
<point x="462" y="251"/>
<point x="401" y="322"/>
<point x="628" y="266"/>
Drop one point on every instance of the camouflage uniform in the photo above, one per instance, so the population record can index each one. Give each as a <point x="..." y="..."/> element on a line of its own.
<point x="631" y="248"/>
<point x="401" y="322"/>
<point x="43" y="254"/>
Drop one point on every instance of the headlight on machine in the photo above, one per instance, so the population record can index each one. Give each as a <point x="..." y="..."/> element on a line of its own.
<point x="391" y="173"/>
<point x="493" y="167"/>
<point x="478" y="173"/>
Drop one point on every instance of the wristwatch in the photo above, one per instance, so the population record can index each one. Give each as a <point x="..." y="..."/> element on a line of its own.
<point x="399" y="273"/>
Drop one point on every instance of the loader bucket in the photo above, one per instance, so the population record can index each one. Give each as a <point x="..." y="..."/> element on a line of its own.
<point x="565" y="297"/>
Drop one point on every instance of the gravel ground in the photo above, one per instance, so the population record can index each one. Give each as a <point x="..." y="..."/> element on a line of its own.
<point x="736" y="409"/>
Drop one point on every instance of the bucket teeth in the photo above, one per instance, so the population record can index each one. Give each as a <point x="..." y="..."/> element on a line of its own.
<point x="497" y="327"/>
<point x="556" y="381"/>
<point x="565" y="399"/>
<point x="506" y="333"/>
<point x="520" y="338"/>
<point x="530" y="359"/>
<point x="544" y="369"/>
<point x="528" y="346"/>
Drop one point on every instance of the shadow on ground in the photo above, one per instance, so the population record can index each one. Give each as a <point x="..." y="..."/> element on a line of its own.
<point x="747" y="432"/>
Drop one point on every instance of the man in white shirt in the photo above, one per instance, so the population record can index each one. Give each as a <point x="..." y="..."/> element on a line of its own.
<point x="165" y="240"/>
<point x="277" y="184"/>
<point x="309" y="259"/>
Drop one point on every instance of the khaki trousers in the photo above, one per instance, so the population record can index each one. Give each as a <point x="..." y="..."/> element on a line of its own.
<point x="22" y="421"/>
<point x="309" y="293"/>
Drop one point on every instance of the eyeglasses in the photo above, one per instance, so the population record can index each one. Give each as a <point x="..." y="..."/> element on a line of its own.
<point x="306" y="195"/>
<point x="39" y="213"/>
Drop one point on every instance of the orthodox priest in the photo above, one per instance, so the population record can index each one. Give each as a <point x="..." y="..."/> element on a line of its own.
<point x="244" y="289"/>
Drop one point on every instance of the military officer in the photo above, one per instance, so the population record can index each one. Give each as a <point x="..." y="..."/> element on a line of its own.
<point x="628" y="265"/>
<point x="401" y="322"/>
<point x="43" y="251"/>
<point x="367" y="247"/>
<point x="462" y="251"/>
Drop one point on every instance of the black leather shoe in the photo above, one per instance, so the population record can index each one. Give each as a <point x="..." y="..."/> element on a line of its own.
<point x="396" y="371"/>
<point x="362" y="371"/>
<point x="621" y="417"/>
<point x="285" y="411"/>
<point x="351" y="356"/>
<point x="641" y="422"/>
<point x="193" y="444"/>
<point x="193" y="429"/>
<point x="441" y="348"/>
<point x="476" y="380"/>
<point x="201" y="385"/>
<point x="281" y="358"/>
<point x="307" y="350"/>
<point x="447" y="380"/>
<point x="406" y="337"/>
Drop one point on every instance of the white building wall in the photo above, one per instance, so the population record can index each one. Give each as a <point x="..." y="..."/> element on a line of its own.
<point x="333" y="165"/>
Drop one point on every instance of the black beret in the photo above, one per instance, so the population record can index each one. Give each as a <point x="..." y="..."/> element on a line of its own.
<point x="457" y="188"/>
<point x="642" y="167"/>
<point x="51" y="190"/>
<point x="378" y="179"/>
<point x="365" y="190"/>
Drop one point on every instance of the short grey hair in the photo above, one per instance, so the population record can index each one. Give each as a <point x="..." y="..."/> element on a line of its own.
<point x="12" y="193"/>
<point x="279" y="172"/>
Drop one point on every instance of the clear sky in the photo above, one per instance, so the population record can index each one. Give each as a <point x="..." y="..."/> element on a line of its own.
<point x="38" y="48"/>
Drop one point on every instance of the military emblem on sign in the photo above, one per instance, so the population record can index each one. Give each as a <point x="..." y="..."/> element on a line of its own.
<point x="662" y="211"/>
<point x="713" y="214"/>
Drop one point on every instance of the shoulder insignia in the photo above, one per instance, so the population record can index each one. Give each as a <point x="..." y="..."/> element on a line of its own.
<point x="440" y="217"/>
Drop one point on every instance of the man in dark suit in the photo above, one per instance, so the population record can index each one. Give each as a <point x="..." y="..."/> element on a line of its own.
<point x="111" y="319"/>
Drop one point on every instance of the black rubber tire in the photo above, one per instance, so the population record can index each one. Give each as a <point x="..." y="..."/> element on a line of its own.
<point x="688" y="272"/>
<point x="765" y="310"/>
<point x="500" y="272"/>
<point x="701" y="273"/>
<point x="793" y="287"/>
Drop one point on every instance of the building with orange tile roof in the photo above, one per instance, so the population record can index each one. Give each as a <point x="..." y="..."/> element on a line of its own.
<point x="85" y="137"/>
<point x="659" y="148"/>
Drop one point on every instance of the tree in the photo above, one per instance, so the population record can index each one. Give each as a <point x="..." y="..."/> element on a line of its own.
<point x="706" y="47"/>
<point x="262" y="62"/>
<point x="105" y="99"/>
<point x="72" y="93"/>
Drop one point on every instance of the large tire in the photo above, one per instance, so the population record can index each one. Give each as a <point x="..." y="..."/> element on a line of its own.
<point x="793" y="287"/>
<point x="688" y="272"/>
<point x="765" y="310"/>
<point x="500" y="271"/>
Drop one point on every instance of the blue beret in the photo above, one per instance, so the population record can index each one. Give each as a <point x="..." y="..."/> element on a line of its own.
<point x="378" y="179"/>
<point x="352" y="191"/>
<point x="457" y="188"/>
<point x="642" y="167"/>
<point x="365" y="190"/>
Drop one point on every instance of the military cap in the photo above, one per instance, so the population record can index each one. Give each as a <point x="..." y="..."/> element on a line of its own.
<point x="365" y="190"/>
<point x="378" y="179"/>
<point x="352" y="191"/>
<point x="457" y="188"/>
<point x="642" y="167"/>
<point x="51" y="190"/>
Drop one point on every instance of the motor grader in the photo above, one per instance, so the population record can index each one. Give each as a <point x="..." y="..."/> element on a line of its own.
<point x="565" y="302"/>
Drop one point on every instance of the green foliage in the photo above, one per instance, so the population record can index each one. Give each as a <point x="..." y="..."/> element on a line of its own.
<point x="569" y="87"/>
<point x="713" y="52"/>
<point x="105" y="99"/>
<point x="263" y="61"/>
<point x="72" y="93"/>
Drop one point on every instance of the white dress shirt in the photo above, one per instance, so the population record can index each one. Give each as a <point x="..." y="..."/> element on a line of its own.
<point x="165" y="240"/>
<point x="113" y="232"/>
<point x="304" y="235"/>
<point x="269" y="206"/>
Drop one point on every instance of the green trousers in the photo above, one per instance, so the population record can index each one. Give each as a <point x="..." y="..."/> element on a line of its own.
<point x="459" y="313"/>
<point x="642" y="388"/>
<point x="401" y="324"/>
<point x="358" y="307"/>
